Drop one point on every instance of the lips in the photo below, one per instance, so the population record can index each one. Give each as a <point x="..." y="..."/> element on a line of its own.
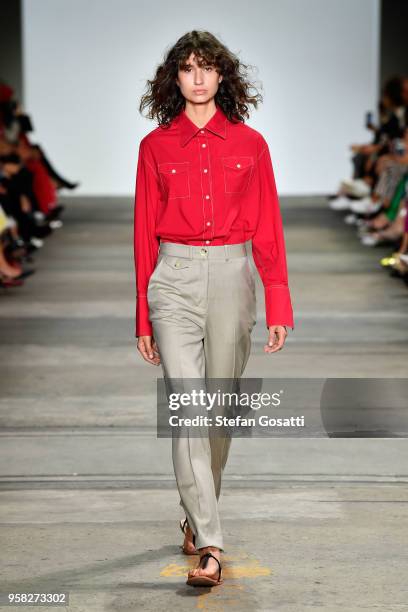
<point x="199" y="91"/>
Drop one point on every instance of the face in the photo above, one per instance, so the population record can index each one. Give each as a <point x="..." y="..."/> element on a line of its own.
<point x="198" y="84"/>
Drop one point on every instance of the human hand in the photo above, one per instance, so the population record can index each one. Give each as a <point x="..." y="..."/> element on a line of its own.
<point x="277" y="337"/>
<point x="147" y="347"/>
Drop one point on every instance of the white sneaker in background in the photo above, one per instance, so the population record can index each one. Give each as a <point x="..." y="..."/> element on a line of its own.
<point x="351" y="219"/>
<point x="370" y="240"/>
<point x="55" y="223"/>
<point x="37" y="242"/>
<point x="360" y="206"/>
<point x="404" y="257"/>
<point x="340" y="203"/>
<point x="365" y="206"/>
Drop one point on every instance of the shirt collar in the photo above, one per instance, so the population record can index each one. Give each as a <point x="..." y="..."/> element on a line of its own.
<point x="187" y="129"/>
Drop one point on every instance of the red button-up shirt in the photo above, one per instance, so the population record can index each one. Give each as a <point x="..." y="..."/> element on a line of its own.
<point x="209" y="186"/>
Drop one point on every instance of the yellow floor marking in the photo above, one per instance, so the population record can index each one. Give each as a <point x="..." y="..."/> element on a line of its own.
<point x="251" y="568"/>
<point x="228" y="594"/>
<point x="174" y="569"/>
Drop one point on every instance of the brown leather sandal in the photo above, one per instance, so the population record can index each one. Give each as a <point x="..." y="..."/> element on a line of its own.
<point x="201" y="580"/>
<point x="183" y="529"/>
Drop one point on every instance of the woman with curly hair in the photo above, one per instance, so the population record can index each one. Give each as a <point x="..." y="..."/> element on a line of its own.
<point x="204" y="187"/>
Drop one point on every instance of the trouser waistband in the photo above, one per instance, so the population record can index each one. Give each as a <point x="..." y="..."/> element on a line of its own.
<point x="190" y="251"/>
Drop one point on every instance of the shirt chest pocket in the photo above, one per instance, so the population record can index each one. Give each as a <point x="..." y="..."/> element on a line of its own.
<point x="237" y="172"/>
<point x="175" y="179"/>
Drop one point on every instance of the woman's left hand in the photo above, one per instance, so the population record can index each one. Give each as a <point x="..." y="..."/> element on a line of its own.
<point x="277" y="337"/>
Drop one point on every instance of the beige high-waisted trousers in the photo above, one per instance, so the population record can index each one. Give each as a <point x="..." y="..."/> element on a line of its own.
<point x="202" y="305"/>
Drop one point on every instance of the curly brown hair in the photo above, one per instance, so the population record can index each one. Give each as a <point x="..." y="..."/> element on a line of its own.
<point x="235" y="92"/>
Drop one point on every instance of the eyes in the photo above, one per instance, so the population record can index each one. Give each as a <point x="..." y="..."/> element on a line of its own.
<point x="206" y="68"/>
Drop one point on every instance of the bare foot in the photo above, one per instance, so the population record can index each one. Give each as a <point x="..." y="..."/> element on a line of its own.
<point x="188" y="545"/>
<point x="211" y="568"/>
<point x="12" y="271"/>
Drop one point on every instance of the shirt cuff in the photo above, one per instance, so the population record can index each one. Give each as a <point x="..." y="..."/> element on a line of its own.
<point x="143" y="325"/>
<point x="278" y="306"/>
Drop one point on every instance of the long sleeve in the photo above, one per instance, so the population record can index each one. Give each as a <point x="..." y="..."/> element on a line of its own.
<point x="146" y="243"/>
<point x="268" y="245"/>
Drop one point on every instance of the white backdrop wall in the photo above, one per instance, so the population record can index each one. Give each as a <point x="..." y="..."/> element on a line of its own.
<point x="86" y="63"/>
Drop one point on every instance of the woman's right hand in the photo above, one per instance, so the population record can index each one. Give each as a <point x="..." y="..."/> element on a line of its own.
<point x="147" y="347"/>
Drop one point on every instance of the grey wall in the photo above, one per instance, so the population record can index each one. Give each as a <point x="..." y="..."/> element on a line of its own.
<point x="86" y="64"/>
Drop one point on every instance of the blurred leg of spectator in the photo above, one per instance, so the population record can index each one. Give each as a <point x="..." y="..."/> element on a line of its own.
<point x="389" y="179"/>
<point x="359" y="160"/>
<point x="43" y="187"/>
<point x="389" y="215"/>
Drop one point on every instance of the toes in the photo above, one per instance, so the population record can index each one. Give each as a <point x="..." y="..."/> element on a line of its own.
<point x="205" y="571"/>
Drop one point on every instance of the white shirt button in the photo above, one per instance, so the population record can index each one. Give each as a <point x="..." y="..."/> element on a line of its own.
<point x="203" y="145"/>
<point x="202" y="131"/>
<point x="207" y="242"/>
<point x="208" y="222"/>
<point x="173" y="170"/>
<point x="238" y="165"/>
<point x="205" y="170"/>
<point x="207" y="197"/>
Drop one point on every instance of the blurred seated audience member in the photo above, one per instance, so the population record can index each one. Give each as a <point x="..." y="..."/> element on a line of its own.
<point x="16" y="126"/>
<point x="391" y="169"/>
<point x="376" y="197"/>
<point x="366" y="159"/>
<point x="29" y="209"/>
<point x="398" y="261"/>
